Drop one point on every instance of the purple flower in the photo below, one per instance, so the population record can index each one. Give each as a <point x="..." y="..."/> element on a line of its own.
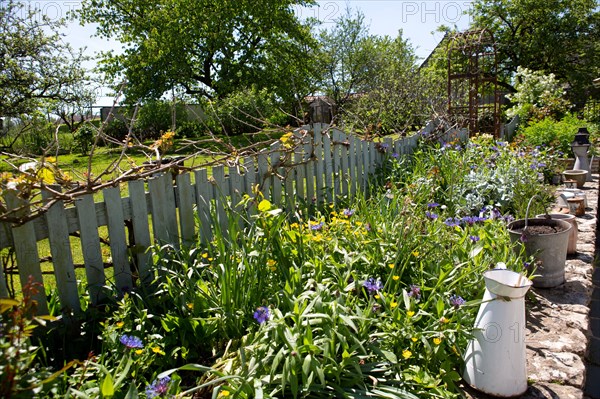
<point x="433" y="205"/>
<point x="315" y="226"/>
<point x="368" y="226"/>
<point x="373" y="285"/>
<point x="526" y="265"/>
<point x="131" y="342"/>
<point x="452" y="222"/>
<point x="395" y="155"/>
<point x="414" y="291"/>
<point x="431" y="215"/>
<point x="474" y="238"/>
<point x="456" y="301"/>
<point x="348" y="212"/>
<point x="158" y="388"/>
<point x="523" y="237"/>
<point x="262" y="314"/>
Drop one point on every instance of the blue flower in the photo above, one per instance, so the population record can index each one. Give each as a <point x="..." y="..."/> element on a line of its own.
<point x="433" y="205"/>
<point x="262" y="314"/>
<point x="373" y="285"/>
<point x="348" y="212"/>
<point x="158" y="388"/>
<point x="315" y="226"/>
<point x="131" y="342"/>
<point x="474" y="238"/>
<point x="452" y="222"/>
<point x="431" y="215"/>
<point x="414" y="291"/>
<point x="456" y="301"/>
<point x="395" y="155"/>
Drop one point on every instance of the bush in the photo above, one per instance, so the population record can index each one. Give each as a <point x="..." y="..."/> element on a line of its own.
<point x="117" y="129"/>
<point x="84" y="136"/>
<point x="556" y="135"/>
<point x="155" y="118"/>
<point x="245" y="112"/>
<point x="191" y="129"/>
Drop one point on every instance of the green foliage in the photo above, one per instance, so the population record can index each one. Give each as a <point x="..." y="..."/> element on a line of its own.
<point x="205" y="48"/>
<point x="246" y="111"/>
<point x="559" y="37"/>
<point x="155" y="117"/>
<point x="355" y="302"/>
<point x="21" y="375"/>
<point x="36" y="65"/>
<point x="84" y="138"/>
<point x="537" y="96"/>
<point x="116" y="128"/>
<point x="558" y="135"/>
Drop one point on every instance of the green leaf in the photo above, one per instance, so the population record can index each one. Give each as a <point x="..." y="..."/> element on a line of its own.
<point x="132" y="392"/>
<point x="306" y="365"/>
<point x="107" y="388"/>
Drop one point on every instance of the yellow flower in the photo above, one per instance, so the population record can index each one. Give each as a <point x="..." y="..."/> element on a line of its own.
<point x="210" y="259"/>
<point x="120" y="324"/>
<point x="414" y="339"/>
<point x="190" y="305"/>
<point x="391" y="265"/>
<point x="205" y="255"/>
<point x="396" y="278"/>
<point x="139" y="351"/>
<point x="437" y="340"/>
<point x="376" y="296"/>
<point x="157" y="349"/>
<point x="406" y="353"/>
<point x="294" y="225"/>
<point x="224" y="394"/>
<point x="393" y="304"/>
<point x="264" y="206"/>
<point x="271" y="264"/>
<point x="444" y="320"/>
<point x="415" y="253"/>
<point x="410" y="313"/>
<point x="287" y="139"/>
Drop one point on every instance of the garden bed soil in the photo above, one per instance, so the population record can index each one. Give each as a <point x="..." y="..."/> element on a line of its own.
<point x="541" y="229"/>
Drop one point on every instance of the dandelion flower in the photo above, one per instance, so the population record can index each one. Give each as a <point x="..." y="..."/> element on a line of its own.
<point x="406" y="354"/>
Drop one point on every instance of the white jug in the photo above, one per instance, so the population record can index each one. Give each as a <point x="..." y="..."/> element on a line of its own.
<point x="495" y="359"/>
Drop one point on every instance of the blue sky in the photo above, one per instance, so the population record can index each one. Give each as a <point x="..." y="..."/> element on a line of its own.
<point x="417" y="19"/>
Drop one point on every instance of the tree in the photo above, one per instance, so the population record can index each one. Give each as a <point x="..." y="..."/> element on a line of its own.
<point x="347" y="62"/>
<point x="557" y="36"/>
<point x="35" y="65"/>
<point x="209" y="48"/>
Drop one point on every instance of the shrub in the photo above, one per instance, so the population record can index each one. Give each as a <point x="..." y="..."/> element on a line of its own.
<point x="557" y="135"/>
<point x="117" y="129"/>
<point x="84" y="137"/>
<point x="155" y="118"/>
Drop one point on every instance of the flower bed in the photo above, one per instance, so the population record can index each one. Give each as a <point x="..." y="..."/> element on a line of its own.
<point x="376" y="297"/>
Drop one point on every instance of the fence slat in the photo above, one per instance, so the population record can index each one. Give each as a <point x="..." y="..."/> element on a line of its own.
<point x="299" y="172"/>
<point x="118" y="243"/>
<point x="309" y="172"/>
<point x="250" y="181"/>
<point x="204" y="197"/>
<point x="164" y="213"/>
<point x="237" y="191"/>
<point x="328" y="167"/>
<point x="90" y="247"/>
<point x="26" y="252"/>
<point x="352" y="165"/>
<point x="62" y="257"/>
<point x="345" y="170"/>
<point x="186" y="208"/>
<point x="320" y="165"/>
<point x="276" y="170"/>
<point x="141" y="229"/>
<point x="3" y="286"/>
<point x="220" y="193"/>
<point x="263" y="178"/>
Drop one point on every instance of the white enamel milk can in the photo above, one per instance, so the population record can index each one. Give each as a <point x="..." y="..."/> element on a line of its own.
<point x="495" y="359"/>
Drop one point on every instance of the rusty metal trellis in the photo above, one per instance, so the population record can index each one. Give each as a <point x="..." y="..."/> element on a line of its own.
<point x="473" y="96"/>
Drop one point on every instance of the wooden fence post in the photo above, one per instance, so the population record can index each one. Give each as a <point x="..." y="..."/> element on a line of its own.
<point x="118" y="241"/>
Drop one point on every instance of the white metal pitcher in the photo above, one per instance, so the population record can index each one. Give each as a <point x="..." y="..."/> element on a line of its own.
<point x="495" y="359"/>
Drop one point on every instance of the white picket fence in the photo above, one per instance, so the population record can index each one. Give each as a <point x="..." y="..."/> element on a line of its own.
<point x="323" y="166"/>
